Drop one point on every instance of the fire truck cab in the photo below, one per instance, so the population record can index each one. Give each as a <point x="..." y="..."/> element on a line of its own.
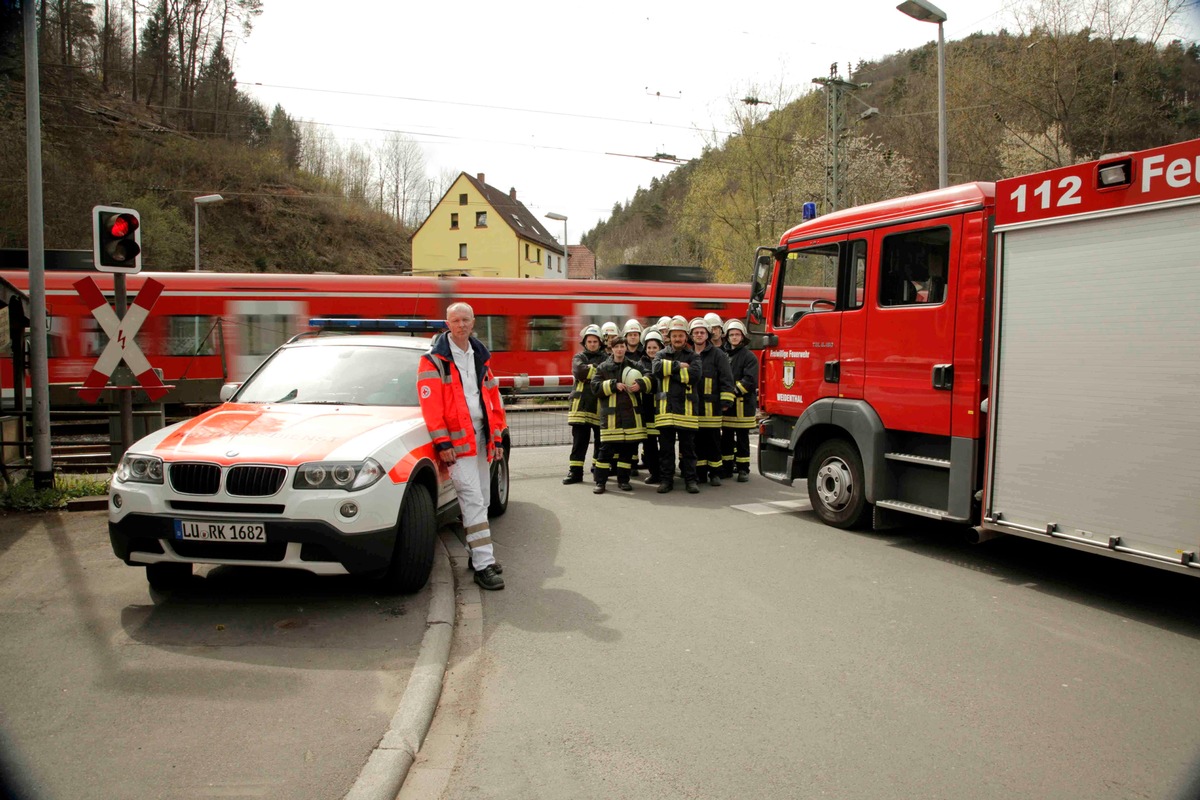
<point x="1018" y="356"/>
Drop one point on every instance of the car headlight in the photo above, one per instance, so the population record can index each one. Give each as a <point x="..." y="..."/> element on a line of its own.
<point x="140" y="469"/>
<point x="348" y="475"/>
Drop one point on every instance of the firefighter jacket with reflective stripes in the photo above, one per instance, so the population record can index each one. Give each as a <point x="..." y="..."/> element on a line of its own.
<point x="620" y="411"/>
<point x="744" y="365"/>
<point x="715" y="386"/>
<point x="648" y="400"/>
<point x="444" y="404"/>
<point x="677" y="373"/>
<point x="584" y="407"/>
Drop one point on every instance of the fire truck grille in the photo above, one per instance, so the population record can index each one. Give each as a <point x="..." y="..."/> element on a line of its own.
<point x="195" y="478"/>
<point x="254" y="481"/>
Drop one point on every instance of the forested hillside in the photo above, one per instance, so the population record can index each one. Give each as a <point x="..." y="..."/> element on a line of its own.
<point x="1074" y="84"/>
<point x="141" y="107"/>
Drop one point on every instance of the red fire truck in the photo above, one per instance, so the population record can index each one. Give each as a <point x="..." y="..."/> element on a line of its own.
<point x="1021" y="356"/>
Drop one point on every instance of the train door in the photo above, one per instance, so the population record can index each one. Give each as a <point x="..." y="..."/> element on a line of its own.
<point x="262" y="325"/>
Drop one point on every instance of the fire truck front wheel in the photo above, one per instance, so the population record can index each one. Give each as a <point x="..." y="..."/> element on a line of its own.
<point x="835" y="484"/>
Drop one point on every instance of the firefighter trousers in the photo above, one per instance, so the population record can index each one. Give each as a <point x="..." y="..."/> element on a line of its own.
<point x="581" y="435"/>
<point x="708" y="452"/>
<point x="667" y="434"/>
<point x="735" y="451"/>
<point x="618" y="457"/>
<point x="472" y="479"/>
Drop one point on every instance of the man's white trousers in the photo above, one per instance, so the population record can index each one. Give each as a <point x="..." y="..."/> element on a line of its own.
<point x="473" y="482"/>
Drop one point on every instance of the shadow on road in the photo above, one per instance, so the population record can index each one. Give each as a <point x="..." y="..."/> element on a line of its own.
<point x="1153" y="596"/>
<point x="528" y="537"/>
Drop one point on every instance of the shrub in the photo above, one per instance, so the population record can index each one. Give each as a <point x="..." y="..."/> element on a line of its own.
<point x="22" y="496"/>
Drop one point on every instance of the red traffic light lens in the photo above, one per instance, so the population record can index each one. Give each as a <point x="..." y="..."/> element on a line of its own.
<point x="122" y="225"/>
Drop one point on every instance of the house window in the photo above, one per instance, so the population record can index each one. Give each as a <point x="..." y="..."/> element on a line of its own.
<point x="527" y="251"/>
<point x="454" y="222"/>
<point x="549" y="261"/>
<point x="462" y="199"/>
<point x="560" y="263"/>
<point x="480" y="219"/>
<point x="539" y="258"/>
<point x="518" y="221"/>
<point x="462" y="252"/>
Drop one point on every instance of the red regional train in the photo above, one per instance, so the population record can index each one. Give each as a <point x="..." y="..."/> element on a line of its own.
<point x="207" y="328"/>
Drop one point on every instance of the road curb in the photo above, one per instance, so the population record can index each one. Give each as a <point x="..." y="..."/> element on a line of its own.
<point x="388" y="765"/>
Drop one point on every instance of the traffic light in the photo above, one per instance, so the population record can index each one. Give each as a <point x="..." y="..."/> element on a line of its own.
<point x="116" y="239"/>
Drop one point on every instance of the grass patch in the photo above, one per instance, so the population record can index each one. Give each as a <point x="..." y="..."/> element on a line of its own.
<point x="22" y="496"/>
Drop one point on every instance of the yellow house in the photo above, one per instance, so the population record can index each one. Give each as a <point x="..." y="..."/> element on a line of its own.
<point x="476" y="229"/>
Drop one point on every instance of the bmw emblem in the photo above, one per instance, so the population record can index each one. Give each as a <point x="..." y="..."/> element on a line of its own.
<point x="231" y="453"/>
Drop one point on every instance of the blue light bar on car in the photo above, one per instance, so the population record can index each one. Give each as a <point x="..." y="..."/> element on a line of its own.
<point x="382" y="325"/>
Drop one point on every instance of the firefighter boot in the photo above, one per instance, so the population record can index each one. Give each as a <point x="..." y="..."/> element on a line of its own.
<point x="601" y="479"/>
<point x="623" y="474"/>
<point x="574" y="475"/>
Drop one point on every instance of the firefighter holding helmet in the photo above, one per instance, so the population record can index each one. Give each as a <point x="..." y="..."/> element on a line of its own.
<point x="584" y="417"/>
<point x="740" y="419"/>
<point x="714" y="385"/>
<point x="618" y="384"/>
<point x="676" y="373"/>
<point x="650" y="457"/>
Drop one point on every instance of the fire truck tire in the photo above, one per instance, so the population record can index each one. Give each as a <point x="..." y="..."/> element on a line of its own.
<point x="499" y="490"/>
<point x="836" y="486"/>
<point x="416" y="532"/>
<point x="167" y="576"/>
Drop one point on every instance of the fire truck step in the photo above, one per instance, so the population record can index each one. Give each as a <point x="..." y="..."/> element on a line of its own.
<point x="943" y="463"/>
<point x="913" y="508"/>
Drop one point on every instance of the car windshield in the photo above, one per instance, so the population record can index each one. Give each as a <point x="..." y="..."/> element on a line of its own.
<point x="342" y="374"/>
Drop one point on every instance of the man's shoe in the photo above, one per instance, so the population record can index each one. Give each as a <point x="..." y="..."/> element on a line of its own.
<point x="599" y="489"/>
<point x="714" y="479"/>
<point x="743" y="477"/>
<point x="693" y="488"/>
<point x="652" y="480"/>
<point x="496" y="564"/>
<point x="665" y="487"/>
<point x="624" y="487"/>
<point x="567" y="481"/>
<point x="488" y="578"/>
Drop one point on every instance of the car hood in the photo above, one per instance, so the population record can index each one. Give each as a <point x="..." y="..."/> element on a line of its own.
<point x="283" y="433"/>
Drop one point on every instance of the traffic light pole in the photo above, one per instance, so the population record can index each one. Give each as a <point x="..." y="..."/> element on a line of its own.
<point x="125" y="401"/>
<point x="39" y="366"/>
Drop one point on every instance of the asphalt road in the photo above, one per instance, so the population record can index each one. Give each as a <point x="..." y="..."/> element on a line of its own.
<point x="652" y="646"/>
<point x="250" y="684"/>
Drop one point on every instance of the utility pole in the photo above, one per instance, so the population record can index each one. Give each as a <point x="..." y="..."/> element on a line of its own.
<point x="39" y="364"/>
<point x="835" y="122"/>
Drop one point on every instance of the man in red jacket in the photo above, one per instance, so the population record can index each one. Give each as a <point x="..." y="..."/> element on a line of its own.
<point x="460" y="401"/>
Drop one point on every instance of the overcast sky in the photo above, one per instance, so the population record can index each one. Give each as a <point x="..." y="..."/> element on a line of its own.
<point x="534" y="94"/>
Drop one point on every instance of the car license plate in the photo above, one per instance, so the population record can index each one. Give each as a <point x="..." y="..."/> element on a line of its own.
<point x="212" y="531"/>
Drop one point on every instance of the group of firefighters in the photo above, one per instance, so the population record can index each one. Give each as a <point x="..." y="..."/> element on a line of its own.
<point x="679" y="386"/>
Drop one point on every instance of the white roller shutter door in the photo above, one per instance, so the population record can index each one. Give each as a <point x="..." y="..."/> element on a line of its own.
<point x="1097" y="395"/>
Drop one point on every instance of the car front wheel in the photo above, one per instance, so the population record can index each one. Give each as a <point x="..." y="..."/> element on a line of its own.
<point x="412" y="555"/>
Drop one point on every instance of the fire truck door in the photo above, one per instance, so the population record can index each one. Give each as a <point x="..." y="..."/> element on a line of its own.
<point x="803" y="366"/>
<point x="909" y="351"/>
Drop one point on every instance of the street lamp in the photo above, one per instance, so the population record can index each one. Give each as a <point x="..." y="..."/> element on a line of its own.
<point x="925" y="11"/>
<point x="203" y="200"/>
<point x="566" y="256"/>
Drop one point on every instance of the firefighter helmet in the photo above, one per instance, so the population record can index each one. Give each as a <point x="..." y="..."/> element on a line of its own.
<point x="590" y="330"/>
<point x="609" y="329"/>
<point x="632" y="326"/>
<point x="698" y="322"/>
<point x="663" y="322"/>
<point x="735" y="325"/>
<point x="677" y="324"/>
<point x="713" y="320"/>
<point x="654" y="336"/>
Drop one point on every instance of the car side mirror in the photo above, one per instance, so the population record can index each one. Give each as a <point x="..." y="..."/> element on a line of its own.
<point x="228" y="389"/>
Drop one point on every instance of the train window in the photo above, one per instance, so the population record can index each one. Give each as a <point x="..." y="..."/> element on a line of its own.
<point x="262" y="333"/>
<point x="493" y="332"/>
<point x="545" y="334"/>
<point x="190" y="336"/>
